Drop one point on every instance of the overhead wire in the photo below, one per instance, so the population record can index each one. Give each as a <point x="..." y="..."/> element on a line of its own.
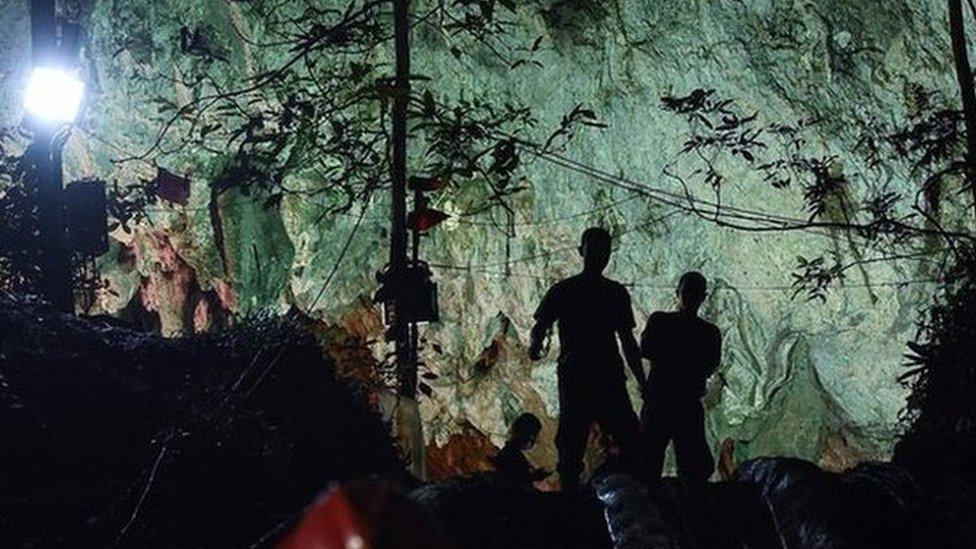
<point x="686" y="203"/>
<point x="679" y="202"/>
<point x="563" y="247"/>
<point x="328" y="280"/>
<point x="555" y="219"/>
<point x="682" y="203"/>
<point x="670" y="287"/>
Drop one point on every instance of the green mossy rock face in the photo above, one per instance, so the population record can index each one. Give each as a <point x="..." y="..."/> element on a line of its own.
<point x="800" y="379"/>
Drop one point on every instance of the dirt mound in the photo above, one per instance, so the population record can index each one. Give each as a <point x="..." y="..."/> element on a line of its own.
<point x="112" y="436"/>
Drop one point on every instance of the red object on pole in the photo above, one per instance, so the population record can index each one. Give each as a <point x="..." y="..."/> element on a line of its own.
<point x="172" y="187"/>
<point x="425" y="219"/>
<point x="332" y="522"/>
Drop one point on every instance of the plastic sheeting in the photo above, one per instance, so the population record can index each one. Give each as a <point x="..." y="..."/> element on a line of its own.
<point x="872" y="505"/>
<point x="634" y="521"/>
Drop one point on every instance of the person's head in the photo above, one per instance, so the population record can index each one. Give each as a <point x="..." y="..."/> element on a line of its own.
<point x="691" y="291"/>
<point x="525" y="431"/>
<point x="595" y="247"/>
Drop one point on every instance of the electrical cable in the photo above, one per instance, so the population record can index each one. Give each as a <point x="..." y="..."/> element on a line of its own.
<point x="294" y="313"/>
<point x="552" y="220"/>
<point x="682" y="203"/>
<point x="670" y="287"/>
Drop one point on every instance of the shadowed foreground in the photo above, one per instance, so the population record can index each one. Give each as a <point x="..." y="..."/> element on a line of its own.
<point x="116" y="437"/>
<point x="112" y="435"/>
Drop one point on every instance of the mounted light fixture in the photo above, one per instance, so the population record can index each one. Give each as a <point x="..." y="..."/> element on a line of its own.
<point x="54" y="95"/>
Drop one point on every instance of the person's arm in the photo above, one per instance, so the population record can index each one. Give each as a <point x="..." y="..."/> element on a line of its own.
<point x="540" y="331"/>
<point x="714" y="357"/>
<point x="632" y="355"/>
<point x="649" y="343"/>
<point x="649" y="346"/>
<point x="540" y="474"/>
<point x="545" y="317"/>
<point x="625" y="333"/>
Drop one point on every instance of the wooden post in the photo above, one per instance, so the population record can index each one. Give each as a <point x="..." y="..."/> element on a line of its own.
<point x="399" y="243"/>
<point x="409" y="425"/>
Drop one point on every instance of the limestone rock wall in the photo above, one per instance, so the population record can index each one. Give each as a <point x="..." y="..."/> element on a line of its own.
<point x="797" y="378"/>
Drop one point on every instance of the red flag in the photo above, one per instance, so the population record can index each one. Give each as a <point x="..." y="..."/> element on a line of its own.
<point x="425" y="219"/>
<point x="172" y="187"/>
<point x="331" y="523"/>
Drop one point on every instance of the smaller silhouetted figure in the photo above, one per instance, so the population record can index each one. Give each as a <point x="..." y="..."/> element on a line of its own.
<point x="684" y="351"/>
<point x="510" y="462"/>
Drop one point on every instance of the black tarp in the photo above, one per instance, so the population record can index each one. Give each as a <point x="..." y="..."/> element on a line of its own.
<point x="672" y="514"/>
<point x="871" y="505"/>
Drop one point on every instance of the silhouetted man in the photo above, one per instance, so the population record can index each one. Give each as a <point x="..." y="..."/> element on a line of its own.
<point x="592" y="312"/>
<point x="684" y="351"/>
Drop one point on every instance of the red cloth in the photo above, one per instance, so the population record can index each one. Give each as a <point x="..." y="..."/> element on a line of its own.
<point x="332" y="522"/>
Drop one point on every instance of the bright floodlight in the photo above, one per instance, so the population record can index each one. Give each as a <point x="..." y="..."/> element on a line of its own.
<point x="54" y="95"/>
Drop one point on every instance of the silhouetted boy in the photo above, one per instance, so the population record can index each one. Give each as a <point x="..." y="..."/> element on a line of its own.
<point x="684" y="351"/>
<point x="510" y="462"/>
<point x="592" y="312"/>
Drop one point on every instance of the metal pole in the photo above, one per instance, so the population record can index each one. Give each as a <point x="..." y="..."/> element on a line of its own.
<point x="414" y="328"/>
<point x="55" y="264"/>
<point x="44" y="40"/>
<point x="55" y="284"/>
<point x="405" y="355"/>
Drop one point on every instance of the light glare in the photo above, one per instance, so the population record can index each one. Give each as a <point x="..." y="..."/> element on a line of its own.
<point x="54" y="95"/>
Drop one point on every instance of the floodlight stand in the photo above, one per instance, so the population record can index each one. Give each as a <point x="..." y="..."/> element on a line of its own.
<point x="55" y="262"/>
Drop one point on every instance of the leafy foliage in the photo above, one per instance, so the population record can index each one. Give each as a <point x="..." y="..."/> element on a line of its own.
<point x="468" y="142"/>
<point x="933" y="138"/>
<point x="885" y="224"/>
<point x="127" y="204"/>
<point x="314" y="121"/>
<point x="255" y="406"/>
<point x="19" y="236"/>
<point x="930" y="227"/>
<point x="940" y="415"/>
<point x="814" y="277"/>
